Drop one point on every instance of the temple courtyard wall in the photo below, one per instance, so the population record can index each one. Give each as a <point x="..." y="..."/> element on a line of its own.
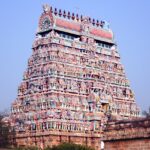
<point x="52" y="138"/>
<point x="127" y="135"/>
<point x="117" y="135"/>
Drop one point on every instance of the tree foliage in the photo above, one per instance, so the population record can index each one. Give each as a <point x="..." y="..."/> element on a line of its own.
<point x="27" y="148"/>
<point x="4" y="130"/>
<point x="69" y="146"/>
<point x="62" y="146"/>
<point x="146" y="113"/>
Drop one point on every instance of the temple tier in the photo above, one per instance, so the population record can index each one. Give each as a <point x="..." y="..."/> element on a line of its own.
<point x="73" y="84"/>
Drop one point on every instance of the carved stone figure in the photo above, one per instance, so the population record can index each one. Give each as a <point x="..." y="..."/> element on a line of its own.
<point x="46" y="8"/>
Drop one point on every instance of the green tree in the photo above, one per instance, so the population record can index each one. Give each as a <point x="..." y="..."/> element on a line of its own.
<point x="4" y="130"/>
<point x="146" y="113"/>
<point x="69" y="146"/>
<point x="26" y="148"/>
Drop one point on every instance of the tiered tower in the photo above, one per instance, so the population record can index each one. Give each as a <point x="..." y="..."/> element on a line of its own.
<point x="74" y="81"/>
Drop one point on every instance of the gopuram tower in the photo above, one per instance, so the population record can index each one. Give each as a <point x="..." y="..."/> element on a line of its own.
<point x="73" y="84"/>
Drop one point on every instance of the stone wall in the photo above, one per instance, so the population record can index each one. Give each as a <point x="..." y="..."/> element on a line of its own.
<point x="136" y="144"/>
<point x="127" y="135"/>
<point x="51" y="138"/>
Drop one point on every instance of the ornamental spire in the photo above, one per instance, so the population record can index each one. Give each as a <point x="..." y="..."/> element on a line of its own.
<point x="46" y="8"/>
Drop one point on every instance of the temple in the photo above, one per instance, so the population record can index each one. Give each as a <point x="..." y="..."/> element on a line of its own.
<point x="73" y="84"/>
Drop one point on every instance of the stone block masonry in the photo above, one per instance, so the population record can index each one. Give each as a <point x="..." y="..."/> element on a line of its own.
<point x="73" y="82"/>
<point x="127" y="135"/>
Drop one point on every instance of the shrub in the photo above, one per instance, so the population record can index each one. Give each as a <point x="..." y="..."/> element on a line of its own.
<point x="69" y="146"/>
<point x="27" y="148"/>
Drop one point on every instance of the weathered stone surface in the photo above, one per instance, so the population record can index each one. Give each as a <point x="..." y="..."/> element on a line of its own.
<point x="73" y="83"/>
<point x="127" y="135"/>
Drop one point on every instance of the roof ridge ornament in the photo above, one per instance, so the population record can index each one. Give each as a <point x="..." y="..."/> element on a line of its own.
<point x="46" y="8"/>
<point x="86" y="19"/>
<point x="85" y="25"/>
